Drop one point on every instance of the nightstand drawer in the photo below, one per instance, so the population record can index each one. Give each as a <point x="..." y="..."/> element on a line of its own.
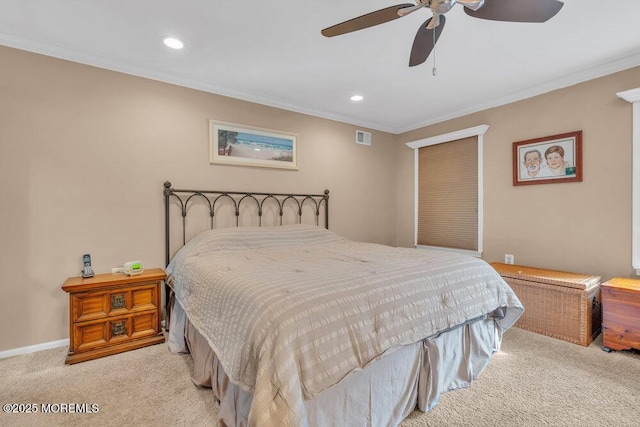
<point x="622" y="296"/>
<point x="98" y="333"/>
<point x="101" y="304"/>
<point x="622" y="337"/>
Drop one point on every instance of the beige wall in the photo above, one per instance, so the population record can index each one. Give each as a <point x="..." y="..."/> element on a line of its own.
<point x="582" y="227"/>
<point x="83" y="155"/>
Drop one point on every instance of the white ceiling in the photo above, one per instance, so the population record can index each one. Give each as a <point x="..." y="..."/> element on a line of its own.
<point x="272" y="52"/>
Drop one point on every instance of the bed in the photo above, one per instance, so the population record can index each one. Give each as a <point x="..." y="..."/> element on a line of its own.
<point x="291" y="324"/>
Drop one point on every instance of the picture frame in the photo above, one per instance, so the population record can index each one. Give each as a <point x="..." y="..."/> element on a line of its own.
<point x="235" y="144"/>
<point x="548" y="160"/>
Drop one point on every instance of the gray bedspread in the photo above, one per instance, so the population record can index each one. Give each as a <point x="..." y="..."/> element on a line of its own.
<point x="292" y="310"/>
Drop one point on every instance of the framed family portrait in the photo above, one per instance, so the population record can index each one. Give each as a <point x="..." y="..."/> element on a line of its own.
<point x="547" y="160"/>
<point x="234" y="144"/>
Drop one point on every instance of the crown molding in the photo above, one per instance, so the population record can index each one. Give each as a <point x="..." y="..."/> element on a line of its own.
<point x="94" y="60"/>
<point x="600" y="70"/>
<point x="82" y="57"/>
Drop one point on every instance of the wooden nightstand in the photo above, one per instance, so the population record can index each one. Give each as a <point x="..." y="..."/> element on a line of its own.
<point x="112" y="313"/>
<point x="621" y="314"/>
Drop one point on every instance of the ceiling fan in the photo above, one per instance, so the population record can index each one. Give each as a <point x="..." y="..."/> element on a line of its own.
<point x="429" y="32"/>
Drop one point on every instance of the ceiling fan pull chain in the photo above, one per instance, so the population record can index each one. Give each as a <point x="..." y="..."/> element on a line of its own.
<point x="434" y="53"/>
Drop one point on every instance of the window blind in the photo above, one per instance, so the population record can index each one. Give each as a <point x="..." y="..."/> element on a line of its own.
<point x="448" y="194"/>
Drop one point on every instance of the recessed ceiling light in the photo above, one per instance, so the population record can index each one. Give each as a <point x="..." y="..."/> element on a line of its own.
<point x="173" y="43"/>
<point x="357" y="98"/>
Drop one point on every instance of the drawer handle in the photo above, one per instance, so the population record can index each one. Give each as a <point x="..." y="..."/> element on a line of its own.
<point x="117" y="301"/>
<point x="117" y="328"/>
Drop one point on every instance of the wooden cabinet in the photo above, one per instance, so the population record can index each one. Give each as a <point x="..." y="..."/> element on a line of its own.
<point x="621" y="314"/>
<point x="112" y="313"/>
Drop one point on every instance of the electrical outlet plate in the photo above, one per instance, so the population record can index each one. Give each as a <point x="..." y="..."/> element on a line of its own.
<point x="509" y="259"/>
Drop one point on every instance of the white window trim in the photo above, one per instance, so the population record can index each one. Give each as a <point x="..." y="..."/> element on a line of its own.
<point x="633" y="96"/>
<point x="477" y="131"/>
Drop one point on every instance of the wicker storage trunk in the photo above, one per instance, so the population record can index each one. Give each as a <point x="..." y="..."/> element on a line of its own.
<point x="557" y="303"/>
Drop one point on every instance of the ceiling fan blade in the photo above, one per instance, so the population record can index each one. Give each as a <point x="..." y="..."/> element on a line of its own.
<point x="407" y="10"/>
<point x="517" y="10"/>
<point x="424" y="42"/>
<point x="365" y="21"/>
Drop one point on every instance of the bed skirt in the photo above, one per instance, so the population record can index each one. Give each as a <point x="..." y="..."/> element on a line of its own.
<point x="382" y="393"/>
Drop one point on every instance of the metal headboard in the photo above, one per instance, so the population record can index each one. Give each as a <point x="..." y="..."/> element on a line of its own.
<point x="186" y="198"/>
<point x="211" y="197"/>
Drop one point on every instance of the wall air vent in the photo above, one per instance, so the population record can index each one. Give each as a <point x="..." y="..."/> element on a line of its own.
<point x="363" y="138"/>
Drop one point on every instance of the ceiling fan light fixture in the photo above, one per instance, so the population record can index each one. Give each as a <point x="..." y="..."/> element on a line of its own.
<point x="357" y="98"/>
<point x="441" y="7"/>
<point x="173" y="43"/>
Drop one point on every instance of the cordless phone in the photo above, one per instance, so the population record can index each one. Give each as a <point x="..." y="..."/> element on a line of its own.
<point x="87" y="271"/>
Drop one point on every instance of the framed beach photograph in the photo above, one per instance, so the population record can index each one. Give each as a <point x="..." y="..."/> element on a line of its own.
<point x="547" y="160"/>
<point x="234" y="144"/>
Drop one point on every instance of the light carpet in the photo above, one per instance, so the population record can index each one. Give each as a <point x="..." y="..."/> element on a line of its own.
<point x="533" y="381"/>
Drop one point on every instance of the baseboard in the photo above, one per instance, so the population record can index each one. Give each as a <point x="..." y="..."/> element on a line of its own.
<point x="34" y="348"/>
